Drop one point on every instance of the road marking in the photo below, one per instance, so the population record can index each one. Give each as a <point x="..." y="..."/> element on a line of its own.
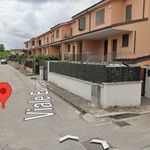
<point x="40" y="103"/>
<point x="39" y="92"/>
<point x="32" y="102"/>
<point x="102" y="142"/>
<point x="38" y="109"/>
<point x="41" y="115"/>
<point x="68" y="137"/>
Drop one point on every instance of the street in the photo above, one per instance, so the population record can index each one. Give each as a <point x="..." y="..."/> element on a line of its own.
<point x="44" y="133"/>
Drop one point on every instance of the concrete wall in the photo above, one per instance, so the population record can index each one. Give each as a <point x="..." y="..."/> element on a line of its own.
<point x="72" y="85"/>
<point x="105" y="94"/>
<point x="120" y="94"/>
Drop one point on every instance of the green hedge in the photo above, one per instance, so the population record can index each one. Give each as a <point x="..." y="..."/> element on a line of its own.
<point x="46" y="57"/>
<point x="4" y="55"/>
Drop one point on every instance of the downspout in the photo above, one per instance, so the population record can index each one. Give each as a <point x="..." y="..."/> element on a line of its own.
<point x="134" y="42"/>
<point x="143" y="9"/>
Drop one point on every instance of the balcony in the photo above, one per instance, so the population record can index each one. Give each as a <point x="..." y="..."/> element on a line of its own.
<point x="68" y="34"/>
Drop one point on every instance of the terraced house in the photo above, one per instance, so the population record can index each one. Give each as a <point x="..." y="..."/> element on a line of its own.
<point x="109" y="30"/>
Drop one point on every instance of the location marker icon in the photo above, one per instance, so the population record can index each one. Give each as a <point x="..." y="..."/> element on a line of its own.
<point x="5" y="92"/>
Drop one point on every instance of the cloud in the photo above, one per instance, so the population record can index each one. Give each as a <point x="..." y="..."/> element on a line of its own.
<point x="24" y="19"/>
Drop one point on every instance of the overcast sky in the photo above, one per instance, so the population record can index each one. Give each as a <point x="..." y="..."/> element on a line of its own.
<point x="21" y="20"/>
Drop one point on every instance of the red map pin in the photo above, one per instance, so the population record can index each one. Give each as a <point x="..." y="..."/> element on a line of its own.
<point x="5" y="92"/>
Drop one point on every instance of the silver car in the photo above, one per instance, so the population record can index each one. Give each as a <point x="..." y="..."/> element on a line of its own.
<point x="3" y="61"/>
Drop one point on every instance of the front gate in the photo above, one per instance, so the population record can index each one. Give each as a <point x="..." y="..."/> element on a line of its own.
<point x="45" y="73"/>
<point x="36" y="66"/>
<point x="44" y="66"/>
<point x="142" y="77"/>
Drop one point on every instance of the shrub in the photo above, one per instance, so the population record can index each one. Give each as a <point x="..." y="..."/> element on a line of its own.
<point x="46" y="57"/>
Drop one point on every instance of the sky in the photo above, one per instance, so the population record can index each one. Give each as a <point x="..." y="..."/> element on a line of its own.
<point x="21" y="20"/>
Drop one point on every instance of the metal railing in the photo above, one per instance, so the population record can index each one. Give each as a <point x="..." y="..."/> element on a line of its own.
<point x="94" y="58"/>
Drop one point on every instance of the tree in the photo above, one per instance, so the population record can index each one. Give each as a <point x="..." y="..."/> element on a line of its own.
<point x="2" y="47"/>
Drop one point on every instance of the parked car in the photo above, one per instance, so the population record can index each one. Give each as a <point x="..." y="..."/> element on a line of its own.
<point x="3" y="61"/>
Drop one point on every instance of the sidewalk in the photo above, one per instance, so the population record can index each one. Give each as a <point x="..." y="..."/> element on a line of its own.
<point x="85" y="106"/>
<point x="20" y="68"/>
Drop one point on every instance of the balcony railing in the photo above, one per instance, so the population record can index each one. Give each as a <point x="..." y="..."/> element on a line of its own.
<point x="96" y="58"/>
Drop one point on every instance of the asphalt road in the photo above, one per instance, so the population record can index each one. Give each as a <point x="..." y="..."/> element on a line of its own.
<point x="44" y="133"/>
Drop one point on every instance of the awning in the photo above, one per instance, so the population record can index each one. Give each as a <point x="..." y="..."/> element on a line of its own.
<point x="98" y="35"/>
<point x="101" y="34"/>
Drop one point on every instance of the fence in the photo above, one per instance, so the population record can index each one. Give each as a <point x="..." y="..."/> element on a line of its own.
<point x="96" y="57"/>
<point x="96" y="73"/>
<point x="29" y="63"/>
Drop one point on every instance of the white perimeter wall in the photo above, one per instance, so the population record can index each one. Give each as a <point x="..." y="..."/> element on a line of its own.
<point x="121" y="94"/>
<point x="78" y="87"/>
<point x="111" y="94"/>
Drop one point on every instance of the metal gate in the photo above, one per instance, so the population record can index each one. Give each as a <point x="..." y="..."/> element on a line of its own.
<point x="142" y="77"/>
<point x="44" y="65"/>
<point x="36" y="66"/>
<point x="45" y="73"/>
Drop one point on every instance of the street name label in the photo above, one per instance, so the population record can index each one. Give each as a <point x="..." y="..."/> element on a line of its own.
<point x="42" y="103"/>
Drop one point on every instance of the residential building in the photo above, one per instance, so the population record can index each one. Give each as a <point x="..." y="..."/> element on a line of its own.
<point x="109" y="30"/>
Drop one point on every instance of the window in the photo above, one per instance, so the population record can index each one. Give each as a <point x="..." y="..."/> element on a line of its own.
<point x="69" y="48"/>
<point x="30" y="53"/>
<point x="26" y="45"/>
<point x="33" y="43"/>
<point x="125" y="40"/>
<point x="57" y="33"/>
<point x="82" y="23"/>
<point x="47" y="40"/>
<point x="52" y="37"/>
<point x="71" y="32"/>
<point x="100" y="17"/>
<point x="128" y="12"/>
<point x="39" y="42"/>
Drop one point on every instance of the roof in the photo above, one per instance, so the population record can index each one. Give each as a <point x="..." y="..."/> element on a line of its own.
<point x="91" y="7"/>
<point x="59" y="25"/>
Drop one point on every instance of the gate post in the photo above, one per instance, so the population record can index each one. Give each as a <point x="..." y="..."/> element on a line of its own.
<point x="95" y="94"/>
<point x="41" y="72"/>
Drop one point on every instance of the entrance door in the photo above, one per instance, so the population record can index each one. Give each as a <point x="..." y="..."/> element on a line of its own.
<point x="74" y="50"/>
<point x="105" y="50"/>
<point x="114" y="49"/>
<point x="143" y="78"/>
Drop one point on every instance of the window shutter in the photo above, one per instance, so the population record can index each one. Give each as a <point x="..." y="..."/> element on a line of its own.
<point x="100" y="17"/>
<point x="128" y="12"/>
<point x="82" y="23"/>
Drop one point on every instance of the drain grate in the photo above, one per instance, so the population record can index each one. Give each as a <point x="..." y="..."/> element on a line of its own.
<point x="122" y="116"/>
<point x="122" y="123"/>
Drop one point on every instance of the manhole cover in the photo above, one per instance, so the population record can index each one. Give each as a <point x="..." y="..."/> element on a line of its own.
<point x="122" y="116"/>
<point x="122" y="123"/>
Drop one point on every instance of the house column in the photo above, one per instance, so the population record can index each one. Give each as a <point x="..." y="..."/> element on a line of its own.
<point x="109" y="54"/>
<point x="64" y="50"/>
